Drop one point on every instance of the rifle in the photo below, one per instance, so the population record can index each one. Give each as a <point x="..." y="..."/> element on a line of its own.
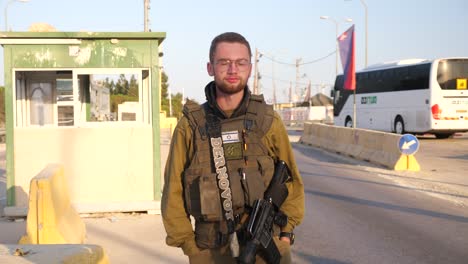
<point x="265" y="213"/>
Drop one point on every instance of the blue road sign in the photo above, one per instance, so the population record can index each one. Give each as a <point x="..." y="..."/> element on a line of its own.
<point x="408" y="144"/>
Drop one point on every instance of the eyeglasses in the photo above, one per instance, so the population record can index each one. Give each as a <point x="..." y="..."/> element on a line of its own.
<point x="241" y="64"/>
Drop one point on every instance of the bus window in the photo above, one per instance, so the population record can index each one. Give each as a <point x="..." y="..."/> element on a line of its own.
<point x="449" y="71"/>
<point x="337" y="96"/>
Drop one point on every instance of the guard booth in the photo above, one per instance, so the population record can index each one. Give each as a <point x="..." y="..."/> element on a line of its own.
<point x="89" y="101"/>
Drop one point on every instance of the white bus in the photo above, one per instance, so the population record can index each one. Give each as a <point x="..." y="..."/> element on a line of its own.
<point x="410" y="96"/>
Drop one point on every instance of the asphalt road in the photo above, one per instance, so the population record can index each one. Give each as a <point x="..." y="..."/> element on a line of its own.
<point x="355" y="213"/>
<point x="444" y="156"/>
<point x="358" y="213"/>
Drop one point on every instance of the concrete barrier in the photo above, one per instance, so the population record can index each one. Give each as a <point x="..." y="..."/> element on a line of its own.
<point x="52" y="254"/>
<point x="373" y="146"/>
<point x="51" y="219"/>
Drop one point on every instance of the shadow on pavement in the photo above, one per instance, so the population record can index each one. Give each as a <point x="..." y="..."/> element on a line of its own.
<point x="301" y="257"/>
<point x="411" y="210"/>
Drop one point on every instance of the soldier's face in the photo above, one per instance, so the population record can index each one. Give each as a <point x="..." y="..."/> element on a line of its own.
<point x="231" y="67"/>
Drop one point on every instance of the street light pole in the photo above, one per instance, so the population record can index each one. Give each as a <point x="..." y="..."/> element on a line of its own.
<point x="365" y="7"/>
<point x="146" y="15"/>
<point x="336" y="36"/>
<point x="255" y="81"/>
<point x="365" y="10"/>
<point x="6" y="11"/>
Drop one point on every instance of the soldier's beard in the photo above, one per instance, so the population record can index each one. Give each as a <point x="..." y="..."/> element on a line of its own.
<point x="229" y="88"/>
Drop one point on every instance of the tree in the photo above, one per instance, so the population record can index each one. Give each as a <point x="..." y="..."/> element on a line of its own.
<point x="164" y="93"/>
<point x="133" y="87"/>
<point x="119" y="89"/>
<point x="176" y="99"/>
<point x="177" y="105"/>
<point x="122" y="91"/>
<point x="124" y="84"/>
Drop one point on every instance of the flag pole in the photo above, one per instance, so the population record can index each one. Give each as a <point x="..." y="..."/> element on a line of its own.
<point x="346" y="49"/>
<point x="354" y="108"/>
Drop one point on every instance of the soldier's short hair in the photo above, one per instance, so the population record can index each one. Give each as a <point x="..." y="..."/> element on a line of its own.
<point x="231" y="37"/>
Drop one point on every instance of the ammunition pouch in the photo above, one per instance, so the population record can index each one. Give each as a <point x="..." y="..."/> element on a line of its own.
<point x="214" y="234"/>
<point x="202" y="195"/>
<point x="207" y="235"/>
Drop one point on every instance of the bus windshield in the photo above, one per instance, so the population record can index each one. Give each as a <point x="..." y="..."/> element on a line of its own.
<point x="452" y="71"/>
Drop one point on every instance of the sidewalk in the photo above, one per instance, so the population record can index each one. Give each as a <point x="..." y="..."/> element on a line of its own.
<point x="126" y="238"/>
<point x="137" y="238"/>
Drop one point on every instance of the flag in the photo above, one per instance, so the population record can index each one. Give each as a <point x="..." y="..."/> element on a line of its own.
<point x="346" y="45"/>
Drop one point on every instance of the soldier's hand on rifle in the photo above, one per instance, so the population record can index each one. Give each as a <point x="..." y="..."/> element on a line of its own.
<point x="286" y="239"/>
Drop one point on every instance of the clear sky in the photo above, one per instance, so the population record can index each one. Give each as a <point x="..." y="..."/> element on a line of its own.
<point x="280" y="29"/>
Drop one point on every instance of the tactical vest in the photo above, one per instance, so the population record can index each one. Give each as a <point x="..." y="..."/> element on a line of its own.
<point x="245" y="162"/>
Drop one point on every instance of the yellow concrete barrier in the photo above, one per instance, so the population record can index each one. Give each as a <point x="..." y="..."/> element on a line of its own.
<point x="373" y="146"/>
<point x="167" y="122"/>
<point x="51" y="218"/>
<point x="50" y="254"/>
<point x="407" y="162"/>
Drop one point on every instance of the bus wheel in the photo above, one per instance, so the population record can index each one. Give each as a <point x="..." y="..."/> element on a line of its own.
<point x="399" y="125"/>
<point x="444" y="135"/>
<point x="348" y="122"/>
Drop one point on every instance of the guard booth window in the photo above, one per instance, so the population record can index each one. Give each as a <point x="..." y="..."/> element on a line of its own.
<point x="111" y="97"/>
<point x="41" y="103"/>
<point x="79" y="97"/>
<point x="65" y="111"/>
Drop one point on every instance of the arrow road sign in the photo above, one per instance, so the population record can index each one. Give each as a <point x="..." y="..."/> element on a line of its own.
<point x="408" y="144"/>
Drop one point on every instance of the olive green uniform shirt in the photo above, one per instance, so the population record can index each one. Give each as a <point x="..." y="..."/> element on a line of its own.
<point x="176" y="219"/>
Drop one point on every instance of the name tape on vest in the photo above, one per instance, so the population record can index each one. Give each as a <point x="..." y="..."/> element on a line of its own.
<point x="223" y="177"/>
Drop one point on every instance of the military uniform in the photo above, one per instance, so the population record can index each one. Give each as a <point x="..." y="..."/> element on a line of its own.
<point x="216" y="181"/>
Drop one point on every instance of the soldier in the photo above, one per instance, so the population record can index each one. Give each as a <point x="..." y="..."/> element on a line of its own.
<point x="222" y="158"/>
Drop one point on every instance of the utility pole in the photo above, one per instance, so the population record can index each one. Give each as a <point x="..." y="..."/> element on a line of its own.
<point x="298" y="61"/>
<point x="290" y="93"/>
<point x="146" y="7"/>
<point x="273" y="82"/>
<point x="183" y="96"/>
<point x="365" y="7"/>
<point x="255" y="84"/>
<point x="291" y="116"/>
<point x="274" y="98"/>
<point x="170" y="101"/>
